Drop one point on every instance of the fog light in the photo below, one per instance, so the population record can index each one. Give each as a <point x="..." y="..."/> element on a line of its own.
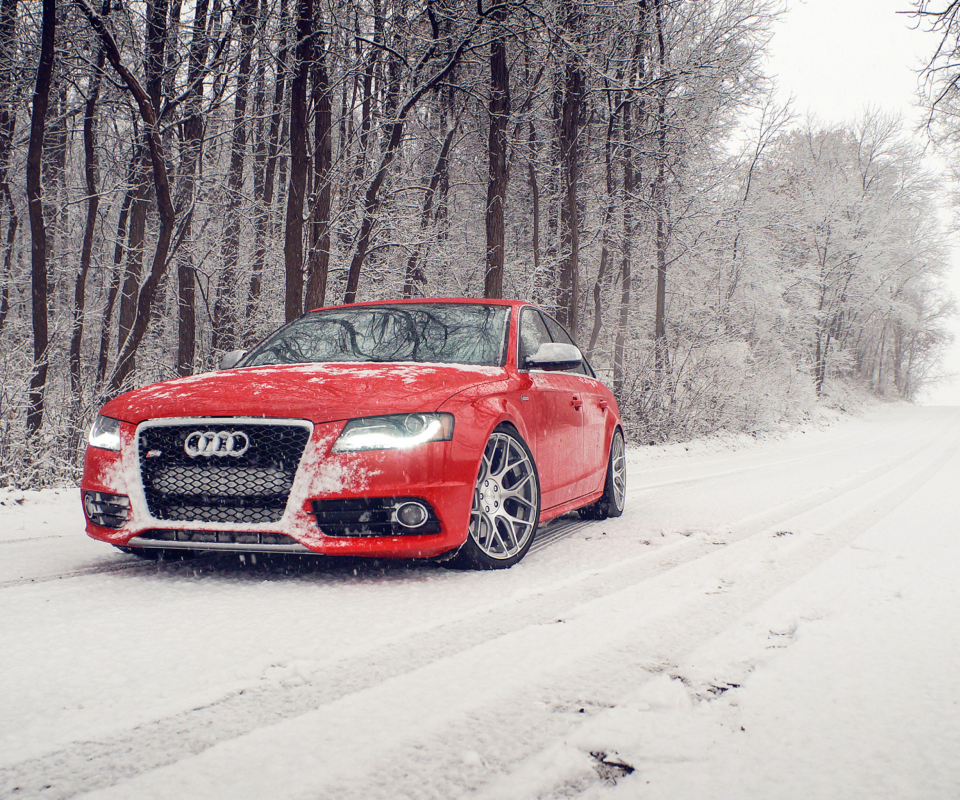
<point x="106" y="510"/>
<point x="412" y="515"/>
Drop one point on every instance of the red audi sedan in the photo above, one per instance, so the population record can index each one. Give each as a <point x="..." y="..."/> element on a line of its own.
<point x="406" y="429"/>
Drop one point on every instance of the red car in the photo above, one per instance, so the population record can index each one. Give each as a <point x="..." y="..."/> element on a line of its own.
<point x="427" y="428"/>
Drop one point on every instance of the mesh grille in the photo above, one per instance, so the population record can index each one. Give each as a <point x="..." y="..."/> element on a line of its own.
<point x="247" y="488"/>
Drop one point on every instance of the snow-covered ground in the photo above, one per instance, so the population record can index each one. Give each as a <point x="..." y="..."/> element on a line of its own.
<point x="769" y="619"/>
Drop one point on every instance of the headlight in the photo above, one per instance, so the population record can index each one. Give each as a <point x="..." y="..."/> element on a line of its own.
<point x="393" y="432"/>
<point x="105" y="434"/>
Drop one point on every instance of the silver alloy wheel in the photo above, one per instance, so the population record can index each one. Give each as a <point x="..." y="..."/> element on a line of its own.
<point x="505" y="502"/>
<point x="618" y="468"/>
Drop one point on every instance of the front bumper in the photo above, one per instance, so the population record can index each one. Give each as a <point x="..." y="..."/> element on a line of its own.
<point x="430" y="474"/>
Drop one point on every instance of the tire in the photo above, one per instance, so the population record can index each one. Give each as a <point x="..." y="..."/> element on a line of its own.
<point x="506" y="506"/>
<point x="612" y="500"/>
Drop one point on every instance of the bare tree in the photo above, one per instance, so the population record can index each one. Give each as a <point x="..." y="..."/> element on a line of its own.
<point x="225" y="311"/>
<point x="90" y="170"/>
<point x="148" y="293"/>
<point x="318" y="261"/>
<point x="293" y="241"/>
<point x="499" y="109"/>
<point x="569" y="139"/>
<point x="38" y="230"/>
<point x="9" y="92"/>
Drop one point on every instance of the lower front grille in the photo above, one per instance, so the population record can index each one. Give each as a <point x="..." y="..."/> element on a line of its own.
<point x="222" y="541"/>
<point x="234" y="471"/>
<point x="219" y="537"/>
<point x="371" y="516"/>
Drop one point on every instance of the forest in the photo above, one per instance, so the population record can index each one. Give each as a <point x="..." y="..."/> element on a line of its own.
<point x="179" y="178"/>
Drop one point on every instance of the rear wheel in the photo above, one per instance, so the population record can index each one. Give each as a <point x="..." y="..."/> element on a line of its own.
<point x="506" y="506"/>
<point x="614" y="494"/>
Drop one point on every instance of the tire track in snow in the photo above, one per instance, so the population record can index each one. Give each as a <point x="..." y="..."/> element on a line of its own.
<point x="636" y="489"/>
<point x="530" y="722"/>
<point x="105" y="569"/>
<point x="415" y="656"/>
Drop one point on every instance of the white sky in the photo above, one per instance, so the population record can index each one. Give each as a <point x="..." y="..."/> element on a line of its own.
<point x="839" y="57"/>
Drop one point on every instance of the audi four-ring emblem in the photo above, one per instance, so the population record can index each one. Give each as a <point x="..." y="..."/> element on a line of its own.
<point x="216" y="443"/>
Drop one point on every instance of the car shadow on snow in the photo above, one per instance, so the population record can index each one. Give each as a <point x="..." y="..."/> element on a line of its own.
<point x="257" y="567"/>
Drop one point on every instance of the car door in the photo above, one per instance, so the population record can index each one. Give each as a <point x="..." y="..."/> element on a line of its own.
<point x="593" y="410"/>
<point x="557" y="401"/>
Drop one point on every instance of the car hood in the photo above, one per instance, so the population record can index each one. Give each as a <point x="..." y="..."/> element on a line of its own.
<point x="317" y="392"/>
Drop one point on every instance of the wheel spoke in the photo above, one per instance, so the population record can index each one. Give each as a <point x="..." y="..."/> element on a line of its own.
<point x="506" y="527"/>
<point x="515" y="490"/>
<point x="520" y="501"/>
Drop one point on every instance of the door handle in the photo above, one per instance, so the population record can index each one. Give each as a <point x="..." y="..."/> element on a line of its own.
<point x="577" y="403"/>
<point x="604" y="404"/>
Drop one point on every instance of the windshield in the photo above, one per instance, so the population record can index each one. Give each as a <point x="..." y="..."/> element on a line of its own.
<point x="443" y="333"/>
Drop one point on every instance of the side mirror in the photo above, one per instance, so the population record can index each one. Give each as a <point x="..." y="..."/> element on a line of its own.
<point x="555" y="357"/>
<point x="231" y="359"/>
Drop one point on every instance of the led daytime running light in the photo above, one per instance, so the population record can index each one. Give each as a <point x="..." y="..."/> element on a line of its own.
<point x="395" y="432"/>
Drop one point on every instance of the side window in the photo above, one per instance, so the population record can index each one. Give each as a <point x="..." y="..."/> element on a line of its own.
<point x="533" y="333"/>
<point x="560" y="335"/>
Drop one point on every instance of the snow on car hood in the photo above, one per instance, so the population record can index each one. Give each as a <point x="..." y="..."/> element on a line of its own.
<point x="318" y="392"/>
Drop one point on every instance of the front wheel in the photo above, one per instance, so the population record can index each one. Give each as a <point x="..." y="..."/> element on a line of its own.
<point x="614" y="495"/>
<point x="506" y="506"/>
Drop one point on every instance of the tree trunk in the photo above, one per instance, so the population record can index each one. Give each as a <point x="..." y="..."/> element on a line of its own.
<point x="275" y="136"/>
<point x="318" y="262"/>
<point x="569" y="278"/>
<point x="366" y="107"/>
<point x="659" y="202"/>
<point x="260" y="211"/>
<point x="9" y="92"/>
<point x="93" y="205"/>
<point x="293" y="241"/>
<point x="155" y="43"/>
<point x="38" y="231"/>
<point x="606" y="223"/>
<point x="114" y="289"/>
<point x="535" y="198"/>
<point x="499" y="107"/>
<point x="631" y="181"/>
<point x="224" y="310"/>
<point x="136" y="232"/>
<point x="191" y="150"/>
<point x="567" y="310"/>
<point x="414" y="273"/>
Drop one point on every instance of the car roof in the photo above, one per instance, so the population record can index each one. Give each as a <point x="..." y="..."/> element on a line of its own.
<point x="419" y="300"/>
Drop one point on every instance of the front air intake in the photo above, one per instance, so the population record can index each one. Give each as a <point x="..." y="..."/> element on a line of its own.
<point x="374" y="516"/>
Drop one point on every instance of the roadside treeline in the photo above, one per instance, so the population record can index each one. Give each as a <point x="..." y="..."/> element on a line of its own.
<point x="198" y="173"/>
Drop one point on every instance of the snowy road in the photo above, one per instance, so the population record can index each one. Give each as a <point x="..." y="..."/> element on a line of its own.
<point x="781" y="619"/>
